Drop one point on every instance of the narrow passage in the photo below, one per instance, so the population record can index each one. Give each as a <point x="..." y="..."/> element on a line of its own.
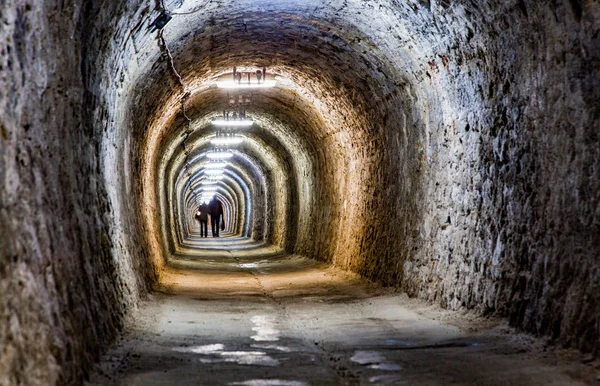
<point x="250" y="315"/>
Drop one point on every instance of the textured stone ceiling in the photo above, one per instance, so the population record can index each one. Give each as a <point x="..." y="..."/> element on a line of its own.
<point x="447" y="148"/>
<point x="314" y="124"/>
<point x="397" y="136"/>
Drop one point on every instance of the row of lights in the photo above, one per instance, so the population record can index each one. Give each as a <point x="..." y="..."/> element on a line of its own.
<point x="247" y="80"/>
<point x="226" y="125"/>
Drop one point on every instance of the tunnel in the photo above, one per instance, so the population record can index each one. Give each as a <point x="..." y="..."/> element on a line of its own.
<point x="412" y="194"/>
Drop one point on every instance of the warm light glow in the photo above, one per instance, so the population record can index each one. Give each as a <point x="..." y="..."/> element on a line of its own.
<point x="226" y="140"/>
<point x="230" y="84"/>
<point x="219" y="155"/>
<point x="233" y="122"/>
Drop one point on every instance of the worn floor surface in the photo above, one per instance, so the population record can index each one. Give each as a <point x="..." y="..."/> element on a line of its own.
<point x="238" y="314"/>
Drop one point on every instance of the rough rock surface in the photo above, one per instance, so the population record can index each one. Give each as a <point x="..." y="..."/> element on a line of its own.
<point x="511" y="198"/>
<point x="447" y="148"/>
<point x="61" y="297"/>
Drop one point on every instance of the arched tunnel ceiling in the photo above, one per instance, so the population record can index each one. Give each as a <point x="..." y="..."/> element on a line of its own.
<point x="384" y="113"/>
<point x="446" y="148"/>
<point x="314" y="116"/>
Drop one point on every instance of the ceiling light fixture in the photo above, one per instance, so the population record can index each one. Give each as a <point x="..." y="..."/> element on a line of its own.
<point x="219" y="155"/>
<point x="233" y="122"/>
<point x="215" y="165"/>
<point x="247" y="79"/>
<point x="230" y="84"/>
<point x="226" y="140"/>
<point x="214" y="172"/>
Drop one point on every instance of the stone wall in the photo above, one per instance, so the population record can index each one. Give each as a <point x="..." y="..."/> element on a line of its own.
<point x="61" y="299"/>
<point x="446" y="148"/>
<point x="511" y="174"/>
<point x="438" y="136"/>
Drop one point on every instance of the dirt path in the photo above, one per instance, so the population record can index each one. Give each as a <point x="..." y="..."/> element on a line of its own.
<point x="262" y="318"/>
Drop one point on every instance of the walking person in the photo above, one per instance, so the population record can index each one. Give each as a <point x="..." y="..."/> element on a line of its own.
<point x="202" y="217"/>
<point x="215" y="208"/>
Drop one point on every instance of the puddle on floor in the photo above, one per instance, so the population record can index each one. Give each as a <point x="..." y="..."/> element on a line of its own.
<point x="265" y="328"/>
<point x="215" y="354"/>
<point x="241" y="353"/>
<point x="271" y="347"/>
<point x="207" y="349"/>
<point x="385" y="366"/>
<point x="387" y="380"/>
<point x="270" y="382"/>
<point x="257" y="358"/>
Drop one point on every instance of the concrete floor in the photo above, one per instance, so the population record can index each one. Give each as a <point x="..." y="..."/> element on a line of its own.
<point x="240" y="314"/>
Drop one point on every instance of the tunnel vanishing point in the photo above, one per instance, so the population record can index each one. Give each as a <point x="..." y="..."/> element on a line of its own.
<point x="445" y="148"/>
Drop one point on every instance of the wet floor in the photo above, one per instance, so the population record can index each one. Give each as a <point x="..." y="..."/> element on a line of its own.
<point x="239" y="314"/>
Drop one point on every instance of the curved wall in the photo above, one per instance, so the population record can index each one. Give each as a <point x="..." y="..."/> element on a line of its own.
<point x="446" y="148"/>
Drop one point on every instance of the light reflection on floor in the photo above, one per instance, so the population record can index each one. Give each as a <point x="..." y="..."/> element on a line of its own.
<point x="258" y="316"/>
<point x="265" y="328"/>
<point x="215" y="353"/>
<point x="270" y="382"/>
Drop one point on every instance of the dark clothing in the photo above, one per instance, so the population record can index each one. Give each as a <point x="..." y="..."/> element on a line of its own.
<point x="203" y="212"/>
<point x="204" y="228"/>
<point x="215" y="208"/>
<point x="202" y="217"/>
<point x="215" y="224"/>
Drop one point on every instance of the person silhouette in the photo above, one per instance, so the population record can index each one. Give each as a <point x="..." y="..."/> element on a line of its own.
<point x="215" y="209"/>
<point x="202" y="217"/>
